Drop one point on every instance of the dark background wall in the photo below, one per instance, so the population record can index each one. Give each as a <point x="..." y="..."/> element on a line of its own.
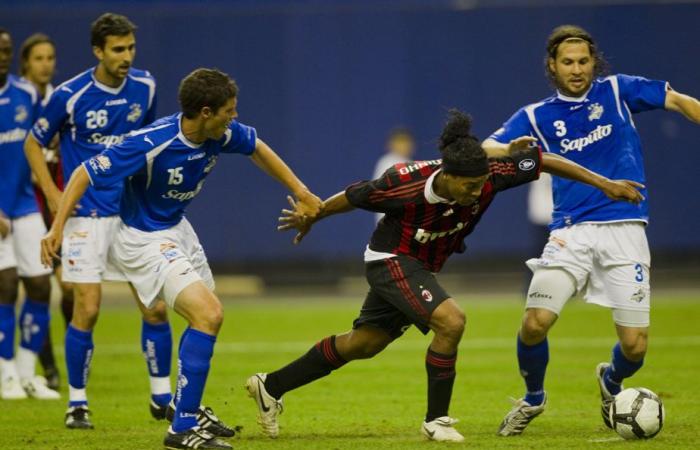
<point x="324" y="81"/>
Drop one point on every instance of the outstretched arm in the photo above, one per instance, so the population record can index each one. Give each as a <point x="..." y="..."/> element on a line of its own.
<point x="684" y="104"/>
<point x="495" y="149"/>
<point x="293" y="219"/>
<point x="265" y="158"/>
<point x="75" y="189"/>
<point x="614" y="189"/>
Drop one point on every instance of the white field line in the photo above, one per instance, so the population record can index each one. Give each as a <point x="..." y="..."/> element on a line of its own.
<point x="409" y="345"/>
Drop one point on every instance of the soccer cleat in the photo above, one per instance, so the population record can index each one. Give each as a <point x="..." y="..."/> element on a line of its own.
<point x="206" y="419"/>
<point x="268" y="406"/>
<point x="36" y="388"/>
<point x="78" y="418"/>
<point x="441" y="429"/>
<point x="11" y="389"/>
<point x="520" y="416"/>
<point x="606" y="398"/>
<point x="195" y="438"/>
<point x="158" y="411"/>
<point x="53" y="379"/>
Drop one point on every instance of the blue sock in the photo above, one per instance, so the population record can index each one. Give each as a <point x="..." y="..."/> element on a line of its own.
<point x="619" y="369"/>
<point x="79" y="348"/>
<point x="533" y="360"/>
<point x="34" y="324"/>
<point x="7" y="331"/>
<point x="196" y="350"/>
<point x="157" y="347"/>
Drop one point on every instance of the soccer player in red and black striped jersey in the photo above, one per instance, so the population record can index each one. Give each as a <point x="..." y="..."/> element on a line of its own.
<point x="430" y="207"/>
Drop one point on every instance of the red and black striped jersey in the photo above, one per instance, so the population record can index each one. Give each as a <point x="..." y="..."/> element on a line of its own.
<point x="431" y="232"/>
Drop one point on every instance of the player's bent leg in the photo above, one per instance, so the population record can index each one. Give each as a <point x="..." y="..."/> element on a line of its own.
<point x="448" y="322"/>
<point x="156" y="346"/>
<point x="548" y="293"/>
<point x="10" y="386"/>
<point x="79" y="348"/>
<point x="67" y="296"/>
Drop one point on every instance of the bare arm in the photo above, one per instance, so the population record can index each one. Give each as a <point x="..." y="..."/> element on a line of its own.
<point x="291" y="219"/>
<point x="495" y="149"/>
<point x="75" y="189"/>
<point x="684" y="104"/>
<point x="4" y="226"/>
<point x="265" y="158"/>
<point x="614" y="189"/>
<point x="37" y="162"/>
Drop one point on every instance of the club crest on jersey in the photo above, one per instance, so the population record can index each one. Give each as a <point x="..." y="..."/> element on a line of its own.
<point x="101" y="163"/>
<point x="21" y="113"/>
<point x="42" y="124"/>
<point x="134" y="112"/>
<point x="595" y="111"/>
<point x="210" y="164"/>
<point x="427" y="296"/>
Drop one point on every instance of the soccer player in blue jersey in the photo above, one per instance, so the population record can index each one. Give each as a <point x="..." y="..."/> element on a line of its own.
<point x="596" y="246"/>
<point x="93" y="111"/>
<point x="165" y="166"/>
<point x="21" y="226"/>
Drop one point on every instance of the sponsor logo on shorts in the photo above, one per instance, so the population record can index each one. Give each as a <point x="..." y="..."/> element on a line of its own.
<point x="78" y="235"/>
<point x="527" y="164"/>
<point x="540" y="295"/>
<point x="169" y="251"/>
<point x="74" y="252"/>
<point x="638" y="296"/>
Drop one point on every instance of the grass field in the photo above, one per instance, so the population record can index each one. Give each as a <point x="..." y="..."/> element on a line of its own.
<point x="379" y="404"/>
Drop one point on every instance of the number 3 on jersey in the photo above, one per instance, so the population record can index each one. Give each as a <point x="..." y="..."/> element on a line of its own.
<point x="561" y="128"/>
<point x="176" y="176"/>
<point x="96" y="119"/>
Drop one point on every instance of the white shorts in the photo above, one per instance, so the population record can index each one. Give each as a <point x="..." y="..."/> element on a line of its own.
<point x="85" y="250"/>
<point x="609" y="262"/>
<point x="160" y="264"/>
<point x="22" y="247"/>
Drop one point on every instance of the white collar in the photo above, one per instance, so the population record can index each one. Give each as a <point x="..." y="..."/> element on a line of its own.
<point x="429" y="192"/>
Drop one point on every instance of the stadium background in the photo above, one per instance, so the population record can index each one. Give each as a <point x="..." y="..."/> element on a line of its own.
<point x="323" y="82"/>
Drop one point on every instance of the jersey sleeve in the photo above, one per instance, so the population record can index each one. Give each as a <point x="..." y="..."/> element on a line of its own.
<point x="116" y="163"/>
<point x="51" y="118"/>
<point x="514" y="170"/>
<point x="239" y="138"/>
<point x="642" y="94"/>
<point x="518" y="125"/>
<point x="381" y="195"/>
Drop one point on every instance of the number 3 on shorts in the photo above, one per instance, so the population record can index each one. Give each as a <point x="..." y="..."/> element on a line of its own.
<point x="640" y="272"/>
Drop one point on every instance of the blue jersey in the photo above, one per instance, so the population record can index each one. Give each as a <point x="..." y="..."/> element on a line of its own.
<point x="165" y="170"/>
<point x="596" y="131"/>
<point x="91" y="117"/>
<point x="19" y="106"/>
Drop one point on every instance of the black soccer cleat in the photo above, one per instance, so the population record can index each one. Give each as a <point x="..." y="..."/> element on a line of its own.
<point x="53" y="379"/>
<point x="194" y="438"/>
<point x="208" y="421"/>
<point x="158" y="411"/>
<point x="78" y="418"/>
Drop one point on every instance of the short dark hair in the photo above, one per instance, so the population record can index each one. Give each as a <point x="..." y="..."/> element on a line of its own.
<point x="205" y="87"/>
<point x="109" y="24"/>
<point x="459" y="147"/>
<point x="575" y="33"/>
<point x="28" y="45"/>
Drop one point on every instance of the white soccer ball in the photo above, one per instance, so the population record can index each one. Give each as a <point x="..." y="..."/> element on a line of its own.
<point x="637" y="413"/>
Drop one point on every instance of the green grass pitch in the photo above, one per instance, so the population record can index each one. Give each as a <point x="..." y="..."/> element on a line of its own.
<point x="379" y="403"/>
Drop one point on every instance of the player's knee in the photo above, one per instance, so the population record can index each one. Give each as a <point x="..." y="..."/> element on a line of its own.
<point x="536" y="323"/>
<point x="85" y="315"/>
<point x="67" y="293"/>
<point x="38" y="288"/>
<point x="634" y="346"/>
<point x="211" y="317"/>
<point x="369" y="348"/>
<point x="156" y="315"/>
<point x="452" y="326"/>
<point x="8" y="286"/>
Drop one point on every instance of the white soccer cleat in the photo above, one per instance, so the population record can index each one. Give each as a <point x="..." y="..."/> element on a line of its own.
<point x="606" y="398"/>
<point x="520" y="416"/>
<point x="35" y="387"/>
<point x="268" y="406"/>
<point x="11" y="389"/>
<point x="442" y="430"/>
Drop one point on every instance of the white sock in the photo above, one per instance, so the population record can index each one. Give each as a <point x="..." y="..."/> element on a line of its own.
<point x="26" y="363"/>
<point x="8" y="369"/>
<point x="76" y="395"/>
<point x="160" y="385"/>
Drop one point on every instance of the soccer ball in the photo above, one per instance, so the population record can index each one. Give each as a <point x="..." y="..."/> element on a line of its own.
<point x="637" y="413"/>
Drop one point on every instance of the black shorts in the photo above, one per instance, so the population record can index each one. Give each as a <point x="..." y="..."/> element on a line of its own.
<point x="402" y="293"/>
